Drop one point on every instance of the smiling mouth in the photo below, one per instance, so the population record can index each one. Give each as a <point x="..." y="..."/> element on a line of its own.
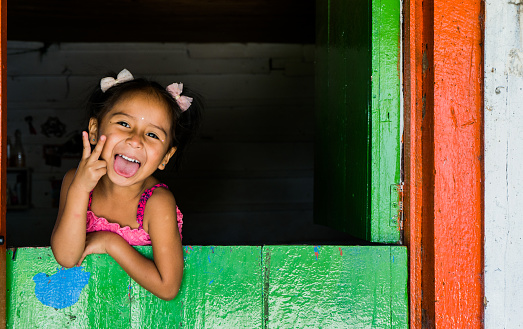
<point x="128" y="159"/>
<point x="125" y="166"/>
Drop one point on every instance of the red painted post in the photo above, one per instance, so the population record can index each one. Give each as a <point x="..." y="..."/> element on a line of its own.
<point x="413" y="196"/>
<point x="444" y="162"/>
<point x="458" y="163"/>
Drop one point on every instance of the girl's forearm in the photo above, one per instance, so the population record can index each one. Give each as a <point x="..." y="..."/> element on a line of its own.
<point x="68" y="237"/>
<point x="143" y="270"/>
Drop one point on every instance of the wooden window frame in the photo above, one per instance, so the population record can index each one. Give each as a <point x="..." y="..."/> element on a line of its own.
<point x="441" y="41"/>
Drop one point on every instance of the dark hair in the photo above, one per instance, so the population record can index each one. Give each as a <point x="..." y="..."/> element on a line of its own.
<point x="185" y="124"/>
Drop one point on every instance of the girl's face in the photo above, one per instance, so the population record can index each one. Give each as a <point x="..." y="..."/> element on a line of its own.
<point x="138" y="131"/>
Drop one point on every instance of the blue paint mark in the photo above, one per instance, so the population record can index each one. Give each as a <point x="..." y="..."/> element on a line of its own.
<point x="211" y="281"/>
<point x="209" y="258"/>
<point x="61" y="289"/>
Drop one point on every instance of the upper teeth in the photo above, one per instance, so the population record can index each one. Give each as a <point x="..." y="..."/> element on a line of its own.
<point x="129" y="159"/>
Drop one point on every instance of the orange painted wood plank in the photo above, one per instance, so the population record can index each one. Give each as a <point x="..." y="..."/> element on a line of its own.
<point x="443" y="162"/>
<point x="458" y="169"/>
<point x="413" y="196"/>
<point x="3" y="162"/>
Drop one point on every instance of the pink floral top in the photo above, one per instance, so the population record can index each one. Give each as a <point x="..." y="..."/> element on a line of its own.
<point x="135" y="237"/>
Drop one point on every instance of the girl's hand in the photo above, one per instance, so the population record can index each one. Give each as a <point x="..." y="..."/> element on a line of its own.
<point x="96" y="243"/>
<point x="91" y="168"/>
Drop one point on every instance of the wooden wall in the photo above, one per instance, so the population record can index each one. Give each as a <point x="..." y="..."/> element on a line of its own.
<point x="248" y="177"/>
<point x="503" y="155"/>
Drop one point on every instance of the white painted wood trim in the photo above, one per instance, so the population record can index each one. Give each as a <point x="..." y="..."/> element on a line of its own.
<point x="503" y="166"/>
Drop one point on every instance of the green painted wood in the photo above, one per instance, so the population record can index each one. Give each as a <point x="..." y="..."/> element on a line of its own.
<point x="227" y="287"/>
<point x="221" y="288"/>
<point x="102" y="304"/>
<point x="358" y="118"/>
<point x="398" y="281"/>
<point x="107" y="293"/>
<point x="336" y="287"/>
<point x="386" y="120"/>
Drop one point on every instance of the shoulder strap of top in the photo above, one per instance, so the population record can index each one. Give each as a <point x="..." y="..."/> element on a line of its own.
<point x="143" y="200"/>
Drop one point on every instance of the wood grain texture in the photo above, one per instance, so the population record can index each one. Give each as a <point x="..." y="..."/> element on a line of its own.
<point x="444" y="170"/>
<point x="386" y="122"/>
<point x="413" y="115"/>
<point x="503" y="174"/>
<point x="227" y="286"/>
<point x="458" y="163"/>
<point x="363" y="289"/>
<point x="222" y="287"/>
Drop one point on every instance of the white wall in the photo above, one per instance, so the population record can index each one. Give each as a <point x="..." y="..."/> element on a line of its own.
<point x="503" y="165"/>
<point x="249" y="176"/>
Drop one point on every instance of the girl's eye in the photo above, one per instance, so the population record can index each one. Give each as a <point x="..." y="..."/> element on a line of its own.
<point x="153" y="135"/>
<point x="123" y="123"/>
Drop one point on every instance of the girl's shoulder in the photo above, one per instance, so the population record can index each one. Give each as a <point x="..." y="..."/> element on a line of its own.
<point x="160" y="198"/>
<point x="160" y="206"/>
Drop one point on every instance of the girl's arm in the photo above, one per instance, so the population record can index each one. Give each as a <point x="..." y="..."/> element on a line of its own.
<point x="161" y="276"/>
<point x="68" y="237"/>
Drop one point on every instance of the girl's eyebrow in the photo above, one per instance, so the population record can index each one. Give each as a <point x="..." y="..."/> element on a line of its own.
<point x="134" y="118"/>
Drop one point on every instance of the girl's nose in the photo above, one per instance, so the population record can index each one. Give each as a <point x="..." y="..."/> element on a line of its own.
<point x="135" y="141"/>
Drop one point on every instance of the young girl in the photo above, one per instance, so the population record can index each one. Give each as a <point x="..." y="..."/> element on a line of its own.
<point x="112" y="201"/>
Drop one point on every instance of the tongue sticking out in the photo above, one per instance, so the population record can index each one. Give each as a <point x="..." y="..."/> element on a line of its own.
<point x="125" y="168"/>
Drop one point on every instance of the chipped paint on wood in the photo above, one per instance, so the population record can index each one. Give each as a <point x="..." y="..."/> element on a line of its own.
<point x="503" y="174"/>
<point x="227" y="286"/>
<point x="444" y="172"/>
<point x="458" y="164"/>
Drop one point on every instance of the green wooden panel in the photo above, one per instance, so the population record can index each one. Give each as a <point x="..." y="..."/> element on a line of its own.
<point x="221" y="288"/>
<point x="103" y="303"/>
<point x="399" y="293"/>
<point x="358" y="117"/>
<point x="386" y="120"/>
<point x="336" y="287"/>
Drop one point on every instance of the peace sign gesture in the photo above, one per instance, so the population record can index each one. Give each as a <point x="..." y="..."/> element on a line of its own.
<point x="91" y="168"/>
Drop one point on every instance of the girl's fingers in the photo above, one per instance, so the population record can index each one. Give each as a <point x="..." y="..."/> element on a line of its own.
<point x="81" y="260"/>
<point x="87" y="146"/>
<point x="98" y="148"/>
<point x="100" y="164"/>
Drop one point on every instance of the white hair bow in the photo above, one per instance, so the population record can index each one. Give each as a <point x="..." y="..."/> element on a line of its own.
<point x="109" y="82"/>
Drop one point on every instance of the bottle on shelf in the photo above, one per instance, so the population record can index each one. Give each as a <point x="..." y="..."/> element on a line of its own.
<point x="18" y="155"/>
<point x="9" y="148"/>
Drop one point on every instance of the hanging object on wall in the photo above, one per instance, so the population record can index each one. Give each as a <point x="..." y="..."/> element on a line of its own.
<point x="53" y="127"/>
<point x="29" y="120"/>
